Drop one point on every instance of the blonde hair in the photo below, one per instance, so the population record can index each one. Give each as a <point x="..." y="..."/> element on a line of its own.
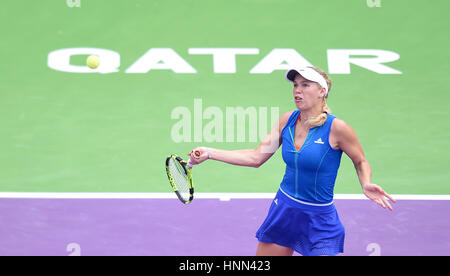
<point x="320" y="120"/>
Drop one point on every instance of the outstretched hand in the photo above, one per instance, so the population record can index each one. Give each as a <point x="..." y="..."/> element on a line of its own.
<point x="378" y="195"/>
<point x="198" y="155"/>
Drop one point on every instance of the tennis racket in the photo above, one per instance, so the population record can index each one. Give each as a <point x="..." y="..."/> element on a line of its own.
<point x="179" y="173"/>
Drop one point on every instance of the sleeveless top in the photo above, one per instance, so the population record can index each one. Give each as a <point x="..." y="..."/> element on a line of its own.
<point x="310" y="171"/>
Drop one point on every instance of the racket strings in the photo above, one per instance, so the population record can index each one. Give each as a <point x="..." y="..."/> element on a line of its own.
<point x="180" y="178"/>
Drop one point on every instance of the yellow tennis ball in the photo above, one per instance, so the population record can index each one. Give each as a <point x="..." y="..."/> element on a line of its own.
<point x="93" y="61"/>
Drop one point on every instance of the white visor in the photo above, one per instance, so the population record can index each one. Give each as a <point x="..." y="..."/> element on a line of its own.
<point x="309" y="74"/>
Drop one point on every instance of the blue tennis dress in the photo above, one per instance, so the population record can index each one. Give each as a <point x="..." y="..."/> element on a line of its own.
<point x="302" y="215"/>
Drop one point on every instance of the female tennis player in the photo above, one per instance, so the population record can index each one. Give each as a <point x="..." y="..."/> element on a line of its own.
<point x="302" y="216"/>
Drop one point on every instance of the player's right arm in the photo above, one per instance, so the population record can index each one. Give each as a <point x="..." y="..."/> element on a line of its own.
<point x="246" y="157"/>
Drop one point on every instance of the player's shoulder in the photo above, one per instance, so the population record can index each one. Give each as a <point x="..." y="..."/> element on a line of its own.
<point x="287" y="115"/>
<point x="285" y="118"/>
<point x="338" y="122"/>
<point x="340" y="127"/>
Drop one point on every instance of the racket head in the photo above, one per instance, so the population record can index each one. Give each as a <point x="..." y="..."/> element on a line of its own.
<point x="180" y="178"/>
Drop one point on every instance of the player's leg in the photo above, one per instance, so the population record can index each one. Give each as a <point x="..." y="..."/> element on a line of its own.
<point x="272" y="249"/>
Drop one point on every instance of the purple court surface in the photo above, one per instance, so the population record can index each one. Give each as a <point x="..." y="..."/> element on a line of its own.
<point x="206" y="227"/>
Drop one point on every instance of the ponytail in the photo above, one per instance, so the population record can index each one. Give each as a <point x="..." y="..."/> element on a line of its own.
<point x="320" y="120"/>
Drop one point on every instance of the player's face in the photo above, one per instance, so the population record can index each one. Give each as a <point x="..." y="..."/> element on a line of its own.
<point x="306" y="93"/>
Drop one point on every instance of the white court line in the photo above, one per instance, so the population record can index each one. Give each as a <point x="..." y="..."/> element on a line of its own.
<point x="220" y="196"/>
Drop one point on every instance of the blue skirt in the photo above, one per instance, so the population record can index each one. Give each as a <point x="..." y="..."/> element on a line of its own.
<point x="311" y="230"/>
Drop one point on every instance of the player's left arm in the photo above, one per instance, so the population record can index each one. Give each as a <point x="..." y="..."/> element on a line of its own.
<point x="345" y="138"/>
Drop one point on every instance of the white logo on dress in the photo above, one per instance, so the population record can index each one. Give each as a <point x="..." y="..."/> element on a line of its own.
<point x="319" y="141"/>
